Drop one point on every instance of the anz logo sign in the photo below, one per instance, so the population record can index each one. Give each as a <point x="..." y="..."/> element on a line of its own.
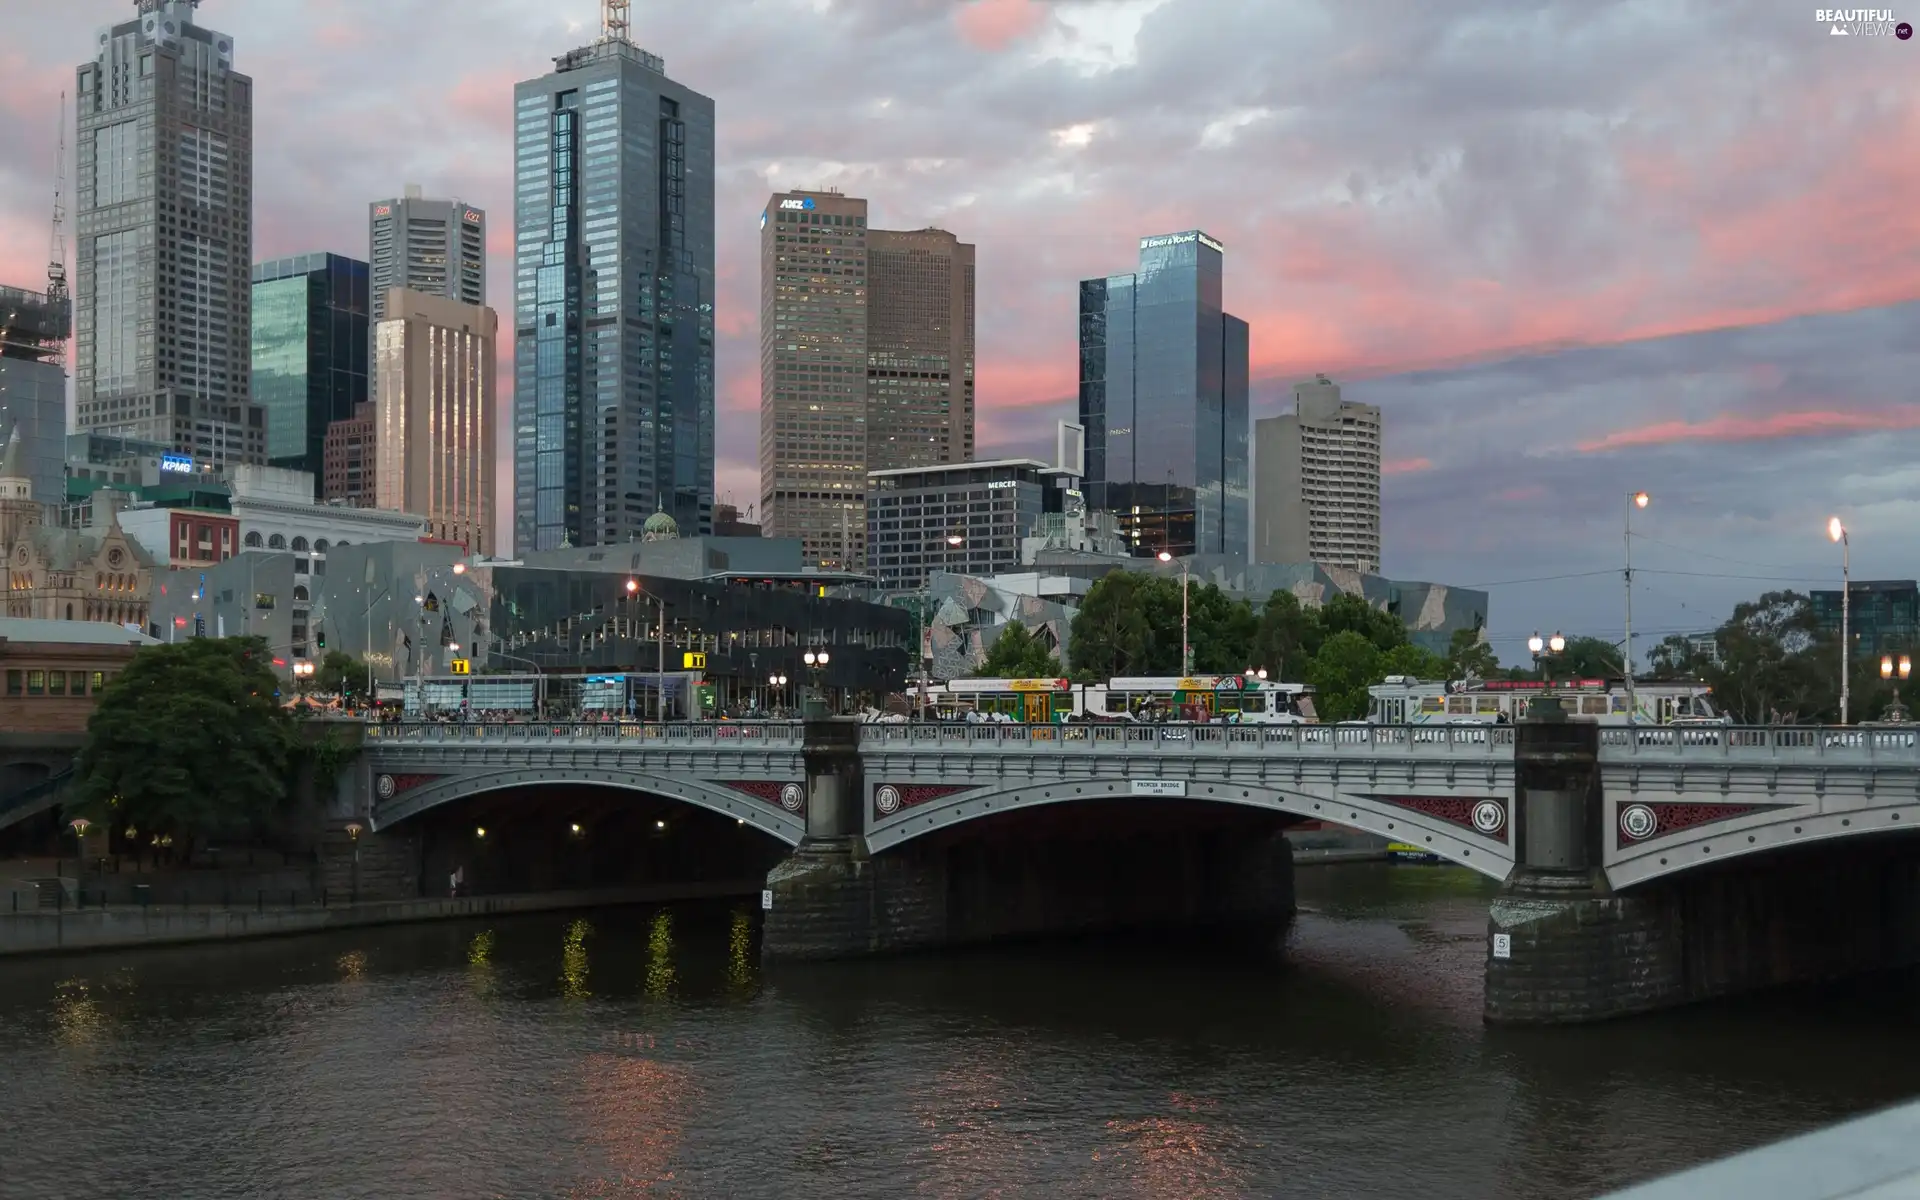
<point x="799" y="205"/>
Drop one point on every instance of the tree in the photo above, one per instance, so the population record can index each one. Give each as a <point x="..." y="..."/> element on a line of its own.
<point x="1470" y="657"/>
<point x="343" y="675"/>
<point x="1586" y="658"/>
<point x="1346" y="666"/>
<point x="1284" y="637"/>
<point x="1349" y="613"/>
<point x="1765" y="669"/>
<point x="1220" y="629"/>
<point x="1409" y="659"/>
<point x="190" y="737"/>
<point x="1110" y="632"/>
<point x="1676" y="657"/>
<point x="1018" y="654"/>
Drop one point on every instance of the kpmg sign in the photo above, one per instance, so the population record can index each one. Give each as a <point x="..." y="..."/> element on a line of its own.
<point x="1181" y="239"/>
<point x="800" y="205"/>
<point x="178" y="463"/>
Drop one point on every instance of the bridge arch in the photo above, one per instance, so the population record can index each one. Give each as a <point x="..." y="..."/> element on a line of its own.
<point x="769" y="818"/>
<point x="894" y="820"/>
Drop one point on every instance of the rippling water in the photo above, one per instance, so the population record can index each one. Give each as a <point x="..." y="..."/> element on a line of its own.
<point x="645" y="1053"/>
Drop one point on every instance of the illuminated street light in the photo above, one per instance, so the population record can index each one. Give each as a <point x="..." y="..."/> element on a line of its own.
<point x="1838" y="532"/>
<point x="480" y="831"/>
<point x="1186" y="647"/>
<point x="460" y="568"/>
<point x="633" y="585"/>
<point x="659" y="824"/>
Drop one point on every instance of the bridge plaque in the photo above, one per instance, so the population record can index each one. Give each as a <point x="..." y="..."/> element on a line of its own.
<point x="1157" y="787"/>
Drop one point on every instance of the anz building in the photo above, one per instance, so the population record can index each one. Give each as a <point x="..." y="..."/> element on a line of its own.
<point x="613" y="300"/>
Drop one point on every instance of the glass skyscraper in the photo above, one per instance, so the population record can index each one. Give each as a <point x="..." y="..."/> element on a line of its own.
<point x="613" y="300"/>
<point x="310" y="332"/>
<point x="1163" y="397"/>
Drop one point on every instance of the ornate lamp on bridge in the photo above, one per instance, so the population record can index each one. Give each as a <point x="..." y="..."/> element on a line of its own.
<point x="1897" y="711"/>
<point x="1544" y="648"/>
<point x="816" y="703"/>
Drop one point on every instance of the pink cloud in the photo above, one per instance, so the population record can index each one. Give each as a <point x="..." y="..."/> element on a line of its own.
<point x="1406" y="466"/>
<point x="1729" y="427"/>
<point x="994" y="25"/>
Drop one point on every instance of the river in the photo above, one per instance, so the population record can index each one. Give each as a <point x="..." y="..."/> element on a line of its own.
<point x="639" y="1052"/>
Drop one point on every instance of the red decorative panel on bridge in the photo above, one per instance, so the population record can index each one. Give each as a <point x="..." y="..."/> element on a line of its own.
<point x="1646" y="820"/>
<point x="389" y="786"/>
<point x="1484" y="815"/>
<point x="890" y="798"/>
<point x="790" y="796"/>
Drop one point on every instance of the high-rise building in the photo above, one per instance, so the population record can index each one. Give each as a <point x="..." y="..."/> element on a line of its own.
<point x="434" y="447"/>
<point x="1317" y="495"/>
<point x="310" y="329"/>
<point x="1163" y="397"/>
<point x="434" y="246"/>
<point x="163" y="217"/>
<point x="866" y="364"/>
<point x="33" y="385"/>
<point x="919" y="349"/>
<point x="813" y="375"/>
<point x="613" y="299"/>
<point x="348" y="473"/>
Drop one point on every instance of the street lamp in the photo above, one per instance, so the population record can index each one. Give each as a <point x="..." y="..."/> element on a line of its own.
<point x="1634" y="500"/>
<point x="1541" y="647"/>
<point x="816" y="661"/>
<point x="79" y="825"/>
<point x="660" y="652"/>
<point x="1261" y="673"/>
<point x="354" y="830"/>
<point x="777" y="683"/>
<point x="1838" y="532"/>
<point x="1897" y="711"/>
<point x="1186" y="649"/>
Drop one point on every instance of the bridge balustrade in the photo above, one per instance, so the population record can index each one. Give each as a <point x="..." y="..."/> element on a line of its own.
<point x="1842" y="744"/>
<point x="672" y="733"/>
<point x="1359" y="740"/>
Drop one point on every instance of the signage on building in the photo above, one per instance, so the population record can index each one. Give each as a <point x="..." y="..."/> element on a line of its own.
<point x="1003" y="483"/>
<point x="1039" y="685"/>
<point x="763" y="218"/>
<point x="176" y="462"/>
<point x="693" y="660"/>
<point x="461" y="666"/>
<point x="473" y="216"/>
<point x="1157" y="787"/>
<point x="383" y="210"/>
<point x="1181" y="239"/>
<point x="1211" y="244"/>
<point x="801" y="205"/>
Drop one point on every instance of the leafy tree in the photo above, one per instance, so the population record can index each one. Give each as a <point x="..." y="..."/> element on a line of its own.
<point x="1470" y="657"/>
<point x="343" y="675"/>
<point x="1765" y="669"/>
<point x="1677" y="658"/>
<point x="1221" y="630"/>
<point x="1284" y="637"/>
<point x="1346" y="612"/>
<point x="1409" y="659"/>
<point x="1346" y="666"/>
<point x="1585" y="658"/>
<point x="1018" y="654"/>
<point x="1110" y="633"/>
<point x="189" y="737"/>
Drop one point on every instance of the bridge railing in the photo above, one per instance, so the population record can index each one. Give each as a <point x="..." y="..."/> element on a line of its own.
<point x="1360" y="740"/>
<point x="668" y="735"/>
<point x="1755" y="742"/>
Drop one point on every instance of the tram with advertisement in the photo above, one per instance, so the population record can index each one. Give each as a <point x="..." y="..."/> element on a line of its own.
<point x="1027" y="701"/>
<point x="1404" y="700"/>
<point x="1236" y="698"/>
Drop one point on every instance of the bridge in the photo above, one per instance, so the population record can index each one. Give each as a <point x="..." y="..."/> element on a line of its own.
<point x="1639" y="867"/>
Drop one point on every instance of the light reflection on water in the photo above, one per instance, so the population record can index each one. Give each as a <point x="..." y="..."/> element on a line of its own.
<point x="428" y="1061"/>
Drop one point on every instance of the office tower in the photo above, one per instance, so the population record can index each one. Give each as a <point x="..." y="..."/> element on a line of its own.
<point x="434" y="446"/>
<point x="434" y="246"/>
<point x="1163" y="397"/>
<point x="1317" y="497"/>
<point x="919" y="349"/>
<point x="163" y="216"/>
<point x="813" y="375"/>
<point x="310" y="329"/>
<point x="613" y="299"/>
<point x="33" y="386"/>
<point x="348" y="474"/>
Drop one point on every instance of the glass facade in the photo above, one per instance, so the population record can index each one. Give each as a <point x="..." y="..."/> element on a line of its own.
<point x="310" y="330"/>
<point x="613" y="301"/>
<point x="1883" y="616"/>
<point x="1163" y="397"/>
<point x="915" y="515"/>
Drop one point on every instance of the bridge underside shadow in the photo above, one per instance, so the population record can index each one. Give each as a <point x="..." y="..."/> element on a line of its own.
<point x="562" y="837"/>
<point x="1060" y="869"/>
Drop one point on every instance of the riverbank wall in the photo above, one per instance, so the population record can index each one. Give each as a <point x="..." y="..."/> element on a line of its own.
<point x="119" y="928"/>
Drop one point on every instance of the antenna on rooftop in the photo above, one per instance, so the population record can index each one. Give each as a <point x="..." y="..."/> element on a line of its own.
<point x="613" y="20"/>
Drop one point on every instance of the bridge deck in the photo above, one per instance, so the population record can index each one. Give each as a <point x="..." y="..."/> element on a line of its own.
<point x="1874" y="1157"/>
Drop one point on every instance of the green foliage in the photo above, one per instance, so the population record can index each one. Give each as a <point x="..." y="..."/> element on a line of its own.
<point x="1470" y="657"/>
<point x="1347" y="664"/>
<point x="1285" y="637"/>
<point x="1586" y="658"/>
<point x="1018" y="654"/>
<point x="1110" y="632"/>
<point x="341" y="674"/>
<point x="328" y="755"/>
<point x="1349" y="613"/>
<point x="1409" y="659"/>
<point x="190" y="737"/>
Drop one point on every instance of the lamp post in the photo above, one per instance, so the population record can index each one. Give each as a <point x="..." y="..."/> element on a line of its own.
<point x="660" y="652"/>
<point x="354" y="829"/>
<point x="1634" y="500"/>
<point x="302" y="675"/>
<point x="1186" y="648"/>
<point x="1541" y="647"/>
<point x="816" y="661"/>
<point x="79" y="826"/>
<point x="366" y="618"/>
<point x="777" y="683"/>
<point x="1838" y="533"/>
<point x="1897" y="711"/>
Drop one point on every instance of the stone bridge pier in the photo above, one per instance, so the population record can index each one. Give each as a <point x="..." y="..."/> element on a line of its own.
<point x="1564" y="946"/>
<point x="1066" y="868"/>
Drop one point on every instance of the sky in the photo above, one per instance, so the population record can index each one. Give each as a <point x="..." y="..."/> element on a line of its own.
<point x="1574" y="250"/>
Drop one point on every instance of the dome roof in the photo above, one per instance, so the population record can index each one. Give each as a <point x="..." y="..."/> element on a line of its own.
<point x="659" y="528"/>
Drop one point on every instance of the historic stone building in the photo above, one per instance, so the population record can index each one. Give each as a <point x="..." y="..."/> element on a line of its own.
<point x="93" y="574"/>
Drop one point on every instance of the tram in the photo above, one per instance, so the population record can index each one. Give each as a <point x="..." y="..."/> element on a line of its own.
<point x="1404" y="700"/>
<point x="1235" y="698"/>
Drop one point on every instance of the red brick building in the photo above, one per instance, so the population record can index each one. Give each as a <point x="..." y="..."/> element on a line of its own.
<point x="53" y="670"/>
<point x="346" y="472"/>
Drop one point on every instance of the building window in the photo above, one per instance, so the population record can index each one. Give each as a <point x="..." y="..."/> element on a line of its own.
<point x="36" y="683"/>
<point x="15" y="681"/>
<point x="300" y="544"/>
<point x="78" y="682"/>
<point x="56" y="683"/>
<point x="99" y="681"/>
<point x="253" y="539"/>
<point x="277" y="542"/>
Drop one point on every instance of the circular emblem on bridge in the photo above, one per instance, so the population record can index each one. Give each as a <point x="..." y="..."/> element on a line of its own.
<point x="792" y="797"/>
<point x="1489" y="817"/>
<point x="887" y="800"/>
<point x="1638" y="822"/>
<point x="384" y="786"/>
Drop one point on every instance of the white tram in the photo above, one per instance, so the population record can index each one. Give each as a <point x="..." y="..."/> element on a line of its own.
<point x="1404" y="700"/>
<point x="1236" y="698"/>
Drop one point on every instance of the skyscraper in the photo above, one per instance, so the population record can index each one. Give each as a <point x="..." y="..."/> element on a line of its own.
<point x="1318" y="492"/>
<point x="866" y="364"/>
<point x="33" y="386"/>
<point x="438" y="247"/>
<point x="813" y="374"/>
<point x="613" y="298"/>
<point x="163" y="213"/>
<point x="310" y="330"/>
<point x="434" y="445"/>
<point x="1163" y="397"/>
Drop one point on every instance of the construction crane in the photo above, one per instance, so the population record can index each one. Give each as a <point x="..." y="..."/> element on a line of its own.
<point x="613" y="20"/>
<point x="58" y="298"/>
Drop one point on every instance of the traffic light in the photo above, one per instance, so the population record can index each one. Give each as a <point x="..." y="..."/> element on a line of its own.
<point x="320" y="638"/>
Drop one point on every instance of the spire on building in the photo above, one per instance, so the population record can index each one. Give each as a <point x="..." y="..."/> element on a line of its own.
<point x="16" y="483"/>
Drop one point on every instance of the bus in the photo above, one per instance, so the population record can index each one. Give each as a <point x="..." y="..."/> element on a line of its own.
<point x="1237" y="698"/>
<point x="1404" y="700"/>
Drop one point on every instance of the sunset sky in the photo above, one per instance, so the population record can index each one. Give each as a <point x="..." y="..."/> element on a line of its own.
<point x="1574" y="249"/>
